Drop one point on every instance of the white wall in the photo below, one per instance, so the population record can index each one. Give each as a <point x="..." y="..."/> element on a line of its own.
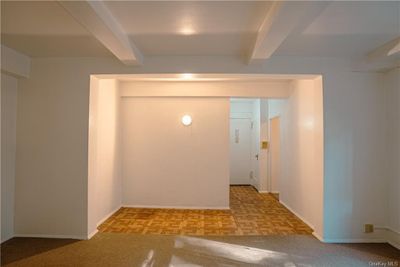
<point x="392" y="93"/>
<point x="167" y="164"/>
<point x="276" y="107"/>
<point x="104" y="178"/>
<point x="354" y="193"/>
<point x="301" y="181"/>
<point x="52" y="150"/>
<point x="271" y="88"/>
<point x="241" y="108"/>
<point x="8" y="146"/>
<point x="52" y="130"/>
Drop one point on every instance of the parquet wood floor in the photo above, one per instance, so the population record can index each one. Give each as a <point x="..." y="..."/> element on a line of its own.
<point x="251" y="213"/>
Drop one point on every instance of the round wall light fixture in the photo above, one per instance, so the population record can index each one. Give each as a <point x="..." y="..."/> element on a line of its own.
<point x="186" y="120"/>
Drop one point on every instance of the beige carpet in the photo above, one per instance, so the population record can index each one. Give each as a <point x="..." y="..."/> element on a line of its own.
<point x="111" y="249"/>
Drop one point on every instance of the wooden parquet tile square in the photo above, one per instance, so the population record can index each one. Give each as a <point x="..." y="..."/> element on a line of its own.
<point x="250" y="213"/>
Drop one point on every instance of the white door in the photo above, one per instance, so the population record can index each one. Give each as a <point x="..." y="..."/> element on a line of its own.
<point x="240" y="151"/>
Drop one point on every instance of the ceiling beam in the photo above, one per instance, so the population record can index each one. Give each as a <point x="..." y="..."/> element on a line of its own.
<point x="387" y="50"/>
<point x="382" y="58"/>
<point x="14" y="63"/>
<point x="281" y="19"/>
<point x="99" y="21"/>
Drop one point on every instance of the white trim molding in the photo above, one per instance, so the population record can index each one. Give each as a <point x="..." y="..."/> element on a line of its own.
<point x="393" y="237"/>
<point x="354" y="240"/>
<point x="98" y="20"/>
<point x="175" y="207"/>
<point x="6" y="239"/>
<point x="92" y="234"/>
<point x="77" y="237"/>
<point x="108" y="216"/>
<point x="298" y="215"/>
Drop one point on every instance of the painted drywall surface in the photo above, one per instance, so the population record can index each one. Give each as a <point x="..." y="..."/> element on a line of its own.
<point x="92" y="219"/>
<point x="276" y="107"/>
<point x="8" y="146"/>
<point x="52" y="146"/>
<point x="241" y="108"/>
<point x="277" y="89"/>
<point x="355" y="190"/>
<point x="52" y="150"/>
<point x="392" y="95"/>
<point x="301" y="179"/>
<point x="104" y="180"/>
<point x="167" y="164"/>
<point x="317" y="124"/>
<point x="57" y="124"/>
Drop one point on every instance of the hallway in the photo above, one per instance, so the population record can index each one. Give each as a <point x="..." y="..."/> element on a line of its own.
<point x="251" y="213"/>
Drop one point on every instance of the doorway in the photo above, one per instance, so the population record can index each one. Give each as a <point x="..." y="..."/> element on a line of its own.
<point x="275" y="155"/>
<point x="186" y="155"/>
<point x="244" y="139"/>
<point x="240" y="153"/>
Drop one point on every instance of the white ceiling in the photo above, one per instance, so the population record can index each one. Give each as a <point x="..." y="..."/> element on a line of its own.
<point x="342" y="29"/>
<point x="190" y="28"/>
<point x="173" y="17"/>
<point x="45" y="29"/>
<point x="346" y="29"/>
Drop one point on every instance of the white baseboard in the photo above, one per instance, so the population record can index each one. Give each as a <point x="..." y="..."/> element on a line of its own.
<point x="393" y="238"/>
<point x="317" y="236"/>
<point x="355" y="240"/>
<point x="396" y="245"/>
<point x="52" y="236"/>
<point x="6" y="238"/>
<point x="266" y="191"/>
<point x="108" y="215"/>
<point x="298" y="215"/>
<point x="95" y="231"/>
<point x="174" y="207"/>
<point x="389" y="236"/>
<point x="349" y="240"/>
<point x="92" y="234"/>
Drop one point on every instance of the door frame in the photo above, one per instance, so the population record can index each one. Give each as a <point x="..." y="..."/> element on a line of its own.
<point x="269" y="161"/>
